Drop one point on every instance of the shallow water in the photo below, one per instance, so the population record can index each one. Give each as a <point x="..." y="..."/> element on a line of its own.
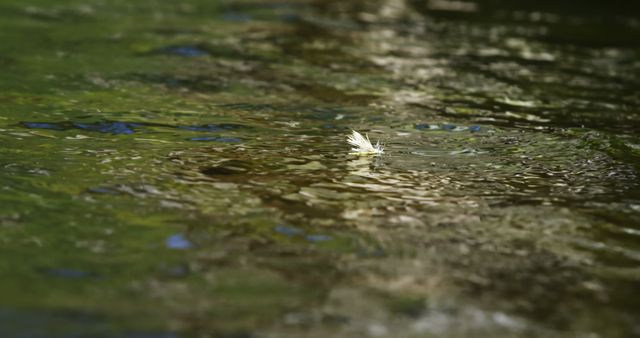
<point x="181" y="170"/>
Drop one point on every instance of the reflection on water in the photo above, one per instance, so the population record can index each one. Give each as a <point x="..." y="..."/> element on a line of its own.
<point x="182" y="169"/>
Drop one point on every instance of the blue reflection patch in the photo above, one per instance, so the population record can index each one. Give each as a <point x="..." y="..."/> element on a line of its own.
<point x="116" y="128"/>
<point x="318" y="238"/>
<point x="178" y="242"/>
<point x="43" y="125"/>
<point x="186" y="51"/>
<point x="288" y="230"/>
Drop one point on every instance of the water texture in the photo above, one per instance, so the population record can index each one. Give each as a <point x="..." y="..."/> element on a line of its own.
<point x="180" y="169"/>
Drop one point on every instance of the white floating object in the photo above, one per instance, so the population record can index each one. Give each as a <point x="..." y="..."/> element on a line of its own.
<point x="362" y="145"/>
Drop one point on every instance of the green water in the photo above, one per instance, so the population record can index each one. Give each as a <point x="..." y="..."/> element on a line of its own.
<point x="181" y="169"/>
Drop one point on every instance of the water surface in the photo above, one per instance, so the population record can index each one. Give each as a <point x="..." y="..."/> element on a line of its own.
<point x="181" y="169"/>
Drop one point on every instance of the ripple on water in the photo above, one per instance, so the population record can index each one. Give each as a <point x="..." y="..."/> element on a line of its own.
<point x="216" y="139"/>
<point x="488" y="224"/>
<point x="214" y="127"/>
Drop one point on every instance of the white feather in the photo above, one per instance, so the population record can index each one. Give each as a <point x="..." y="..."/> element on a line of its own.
<point x="362" y="145"/>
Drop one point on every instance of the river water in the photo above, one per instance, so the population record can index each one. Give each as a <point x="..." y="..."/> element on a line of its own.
<point x="180" y="169"/>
